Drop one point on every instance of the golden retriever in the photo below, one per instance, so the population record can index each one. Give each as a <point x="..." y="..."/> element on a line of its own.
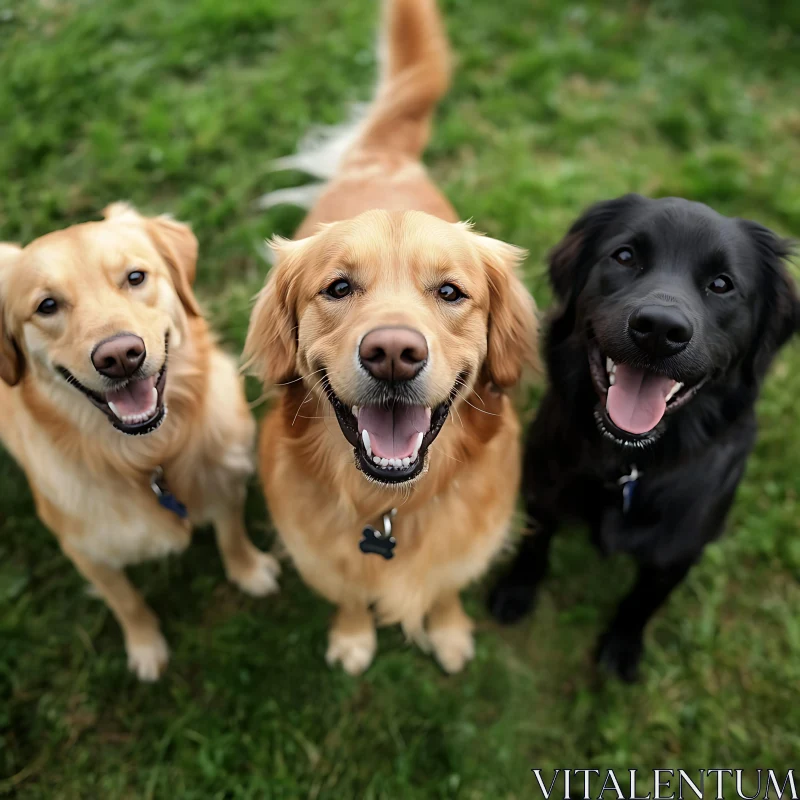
<point x="393" y="331"/>
<point x="90" y="315"/>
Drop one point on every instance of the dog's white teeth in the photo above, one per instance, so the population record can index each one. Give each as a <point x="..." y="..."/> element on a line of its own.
<point x="397" y="463"/>
<point x="611" y="369"/>
<point x="365" y="439"/>
<point x="677" y="386"/>
<point x="114" y="410"/>
<point x="354" y="411"/>
<point x="415" y="451"/>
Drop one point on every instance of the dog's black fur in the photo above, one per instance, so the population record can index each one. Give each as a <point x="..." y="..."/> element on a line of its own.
<point x="692" y="462"/>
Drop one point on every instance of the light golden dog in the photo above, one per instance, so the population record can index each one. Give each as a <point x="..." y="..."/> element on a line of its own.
<point x="101" y="336"/>
<point x="393" y="331"/>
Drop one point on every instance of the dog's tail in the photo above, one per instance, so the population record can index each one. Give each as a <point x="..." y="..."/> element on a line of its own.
<point x="414" y="74"/>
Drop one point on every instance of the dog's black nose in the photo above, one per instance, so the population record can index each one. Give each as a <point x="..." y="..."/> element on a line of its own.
<point x="660" y="331"/>
<point x="393" y="354"/>
<point x="120" y="356"/>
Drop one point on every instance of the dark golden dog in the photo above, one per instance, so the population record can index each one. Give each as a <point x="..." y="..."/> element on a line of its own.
<point x="393" y="331"/>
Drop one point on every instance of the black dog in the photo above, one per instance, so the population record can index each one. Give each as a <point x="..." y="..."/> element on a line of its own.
<point x="669" y="316"/>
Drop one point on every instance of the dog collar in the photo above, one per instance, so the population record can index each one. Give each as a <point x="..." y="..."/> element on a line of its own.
<point x="379" y="542"/>
<point x="628" y="483"/>
<point x="165" y="497"/>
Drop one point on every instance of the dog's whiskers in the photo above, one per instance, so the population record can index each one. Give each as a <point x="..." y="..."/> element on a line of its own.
<point x="302" y="377"/>
<point x="481" y="410"/>
<point x="305" y="399"/>
<point x="457" y="460"/>
<point x="455" y="411"/>
<point x="265" y="394"/>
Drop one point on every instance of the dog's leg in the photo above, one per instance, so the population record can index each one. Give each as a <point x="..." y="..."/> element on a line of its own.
<point x="514" y="593"/>
<point x="620" y="647"/>
<point x="146" y="647"/>
<point x="450" y="633"/>
<point x="352" y="639"/>
<point x="251" y="570"/>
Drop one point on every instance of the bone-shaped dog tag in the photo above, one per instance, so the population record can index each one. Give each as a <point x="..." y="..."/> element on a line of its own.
<point x="375" y="541"/>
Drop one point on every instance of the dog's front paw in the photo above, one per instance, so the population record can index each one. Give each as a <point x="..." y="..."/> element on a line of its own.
<point x="511" y="599"/>
<point x="453" y="648"/>
<point x="354" y="651"/>
<point x="259" y="577"/>
<point x="148" y="657"/>
<point x="620" y="652"/>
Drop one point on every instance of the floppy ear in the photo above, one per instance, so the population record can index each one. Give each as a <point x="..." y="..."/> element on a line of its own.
<point x="12" y="363"/>
<point x="271" y="345"/>
<point x="570" y="260"/>
<point x="780" y="314"/>
<point x="176" y="244"/>
<point x="178" y="247"/>
<point x="513" y="329"/>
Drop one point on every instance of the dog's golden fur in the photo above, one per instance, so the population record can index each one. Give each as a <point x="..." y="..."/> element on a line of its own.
<point x="91" y="483"/>
<point x="383" y="223"/>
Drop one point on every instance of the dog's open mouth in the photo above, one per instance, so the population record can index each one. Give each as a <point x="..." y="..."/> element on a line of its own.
<point x="634" y="401"/>
<point x="391" y="441"/>
<point x="134" y="406"/>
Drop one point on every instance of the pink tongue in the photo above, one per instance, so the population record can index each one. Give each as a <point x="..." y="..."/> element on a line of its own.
<point x="135" y="398"/>
<point x="638" y="399"/>
<point x="393" y="432"/>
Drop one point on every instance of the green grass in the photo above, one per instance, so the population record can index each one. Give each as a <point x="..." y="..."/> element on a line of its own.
<point x="180" y="106"/>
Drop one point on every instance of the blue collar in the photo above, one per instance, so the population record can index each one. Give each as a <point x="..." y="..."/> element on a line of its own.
<point x="165" y="497"/>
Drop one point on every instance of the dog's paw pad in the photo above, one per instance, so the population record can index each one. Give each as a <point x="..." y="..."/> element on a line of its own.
<point x="453" y="648"/>
<point x="260" y="577"/>
<point x="354" y="652"/>
<point x="148" y="659"/>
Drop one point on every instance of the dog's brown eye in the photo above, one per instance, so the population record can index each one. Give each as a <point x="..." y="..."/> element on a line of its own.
<point x="450" y="293"/>
<point x="47" y="307"/>
<point x="136" y="278"/>
<point x="339" y="288"/>
<point x="624" y="256"/>
<point x="722" y="284"/>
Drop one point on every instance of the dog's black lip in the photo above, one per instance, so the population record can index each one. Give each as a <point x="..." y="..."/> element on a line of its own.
<point x="97" y="400"/>
<point x="349" y="427"/>
<point x="597" y="370"/>
<point x="623" y="438"/>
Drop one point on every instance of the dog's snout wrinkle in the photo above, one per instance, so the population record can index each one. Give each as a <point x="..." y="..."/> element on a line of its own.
<point x="393" y="353"/>
<point x="660" y="330"/>
<point x="119" y="356"/>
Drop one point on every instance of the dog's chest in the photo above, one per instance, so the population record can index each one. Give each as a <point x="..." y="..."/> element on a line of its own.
<point x="120" y="540"/>
<point x="441" y="547"/>
<point x="110" y="520"/>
